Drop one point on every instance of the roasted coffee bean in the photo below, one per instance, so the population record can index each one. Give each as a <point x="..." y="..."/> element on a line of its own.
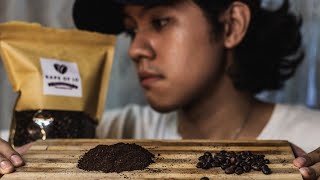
<point x="204" y="178"/>
<point x="224" y="166"/>
<point x="230" y="170"/>
<point x="246" y="168"/>
<point x="202" y="158"/>
<point x="238" y="162"/>
<point x="207" y="165"/>
<point x="220" y="157"/>
<point x="207" y="154"/>
<point x="266" y="171"/>
<point x="243" y="164"/>
<point x="222" y="160"/>
<point x="256" y="167"/>
<point x="239" y="170"/>
<point x="230" y="154"/>
<point x="215" y="164"/>
<point x="260" y="160"/>
<point x="249" y="163"/>
<point x="233" y="154"/>
<point x="243" y="157"/>
<point x="200" y="165"/>
<point x="233" y="160"/>
<point x="233" y="166"/>
<point x="209" y="159"/>
<point x="223" y="152"/>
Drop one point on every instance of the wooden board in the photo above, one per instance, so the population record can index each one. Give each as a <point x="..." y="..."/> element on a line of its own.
<point x="57" y="159"/>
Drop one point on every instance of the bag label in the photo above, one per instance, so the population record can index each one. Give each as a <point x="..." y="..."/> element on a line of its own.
<point x="60" y="78"/>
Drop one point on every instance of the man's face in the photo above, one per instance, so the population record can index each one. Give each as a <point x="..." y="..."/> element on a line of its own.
<point x="176" y="56"/>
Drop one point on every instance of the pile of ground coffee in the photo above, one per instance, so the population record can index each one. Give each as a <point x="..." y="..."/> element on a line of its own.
<point x="66" y="124"/>
<point x="116" y="158"/>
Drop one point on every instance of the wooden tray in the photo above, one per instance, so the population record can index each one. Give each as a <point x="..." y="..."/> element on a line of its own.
<point x="57" y="159"/>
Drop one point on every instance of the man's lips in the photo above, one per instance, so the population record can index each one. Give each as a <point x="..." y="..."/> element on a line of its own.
<point x="148" y="78"/>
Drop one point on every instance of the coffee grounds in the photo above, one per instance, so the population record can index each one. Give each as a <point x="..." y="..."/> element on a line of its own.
<point x="116" y="158"/>
<point x="66" y="124"/>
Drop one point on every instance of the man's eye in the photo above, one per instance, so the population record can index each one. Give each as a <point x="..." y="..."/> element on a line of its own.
<point x="158" y="24"/>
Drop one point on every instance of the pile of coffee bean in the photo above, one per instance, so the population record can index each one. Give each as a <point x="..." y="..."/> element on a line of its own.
<point x="235" y="162"/>
<point x="66" y="124"/>
<point x="116" y="158"/>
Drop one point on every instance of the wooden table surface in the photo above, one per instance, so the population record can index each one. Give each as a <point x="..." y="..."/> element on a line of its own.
<point x="57" y="159"/>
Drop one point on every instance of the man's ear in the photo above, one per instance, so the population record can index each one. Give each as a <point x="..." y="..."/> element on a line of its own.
<point x="236" y="21"/>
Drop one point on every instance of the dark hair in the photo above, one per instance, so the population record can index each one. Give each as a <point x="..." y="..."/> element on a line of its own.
<point x="270" y="51"/>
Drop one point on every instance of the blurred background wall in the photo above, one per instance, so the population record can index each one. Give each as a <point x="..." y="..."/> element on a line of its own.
<point x="124" y="88"/>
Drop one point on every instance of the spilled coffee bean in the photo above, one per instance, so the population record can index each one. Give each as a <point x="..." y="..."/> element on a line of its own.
<point x="204" y="178"/>
<point x="235" y="162"/>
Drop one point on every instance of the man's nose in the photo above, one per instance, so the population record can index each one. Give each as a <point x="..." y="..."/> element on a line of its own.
<point x="141" y="47"/>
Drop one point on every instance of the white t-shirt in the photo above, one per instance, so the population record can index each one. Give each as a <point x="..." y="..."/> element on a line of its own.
<point x="296" y="124"/>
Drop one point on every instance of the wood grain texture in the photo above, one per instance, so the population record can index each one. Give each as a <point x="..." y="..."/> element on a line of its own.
<point x="57" y="159"/>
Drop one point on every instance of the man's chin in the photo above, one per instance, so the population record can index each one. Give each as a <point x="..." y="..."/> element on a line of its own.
<point x="163" y="108"/>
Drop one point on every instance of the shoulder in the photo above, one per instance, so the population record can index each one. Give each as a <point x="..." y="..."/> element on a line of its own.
<point x="296" y="113"/>
<point x="295" y="123"/>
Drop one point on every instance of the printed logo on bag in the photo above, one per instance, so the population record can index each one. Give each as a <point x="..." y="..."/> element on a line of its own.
<point x="61" y="68"/>
<point x="60" y="78"/>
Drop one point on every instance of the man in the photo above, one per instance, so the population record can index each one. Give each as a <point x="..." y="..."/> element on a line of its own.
<point x="205" y="60"/>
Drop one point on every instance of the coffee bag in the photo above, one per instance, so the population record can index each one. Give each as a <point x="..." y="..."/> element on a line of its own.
<point x="62" y="79"/>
